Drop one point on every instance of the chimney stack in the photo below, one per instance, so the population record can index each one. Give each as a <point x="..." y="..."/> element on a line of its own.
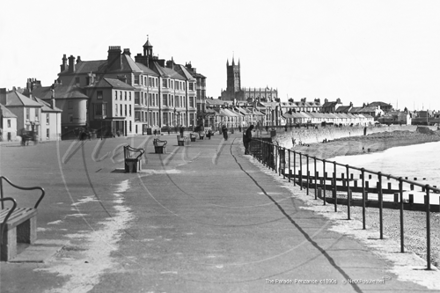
<point x="127" y="52"/>
<point x="114" y="58"/>
<point x="71" y="63"/>
<point x="64" y="64"/>
<point x="3" y="96"/>
<point x="78" y="59"/>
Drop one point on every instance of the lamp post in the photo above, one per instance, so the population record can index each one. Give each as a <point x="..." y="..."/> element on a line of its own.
<point x="102" y="119"/>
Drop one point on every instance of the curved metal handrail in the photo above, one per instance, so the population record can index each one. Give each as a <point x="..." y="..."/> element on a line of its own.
<point x="156" y="140"/>
<point x="14" y="206"/>
<point x="131" y="149"/>
<point x="21" y="188"/>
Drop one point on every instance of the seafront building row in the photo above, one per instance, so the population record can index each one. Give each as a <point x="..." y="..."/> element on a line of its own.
<point x="122" y="95"/>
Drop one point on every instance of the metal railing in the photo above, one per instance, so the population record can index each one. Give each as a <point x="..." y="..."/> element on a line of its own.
<point x="398" y="192"/>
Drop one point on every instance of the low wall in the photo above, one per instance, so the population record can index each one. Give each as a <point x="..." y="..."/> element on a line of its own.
<point x="315" y="135"/>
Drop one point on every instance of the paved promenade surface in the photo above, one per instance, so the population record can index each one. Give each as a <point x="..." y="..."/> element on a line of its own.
<point x="200" y="218"/>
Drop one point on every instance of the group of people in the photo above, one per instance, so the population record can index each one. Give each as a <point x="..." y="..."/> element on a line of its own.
<point x="247" y="137"/>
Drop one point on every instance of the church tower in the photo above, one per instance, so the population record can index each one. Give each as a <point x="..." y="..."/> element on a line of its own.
<point x="233" y="77"/>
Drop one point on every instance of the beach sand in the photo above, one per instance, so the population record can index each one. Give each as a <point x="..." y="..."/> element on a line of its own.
<point x="376" y="142"/>
<point x="415" y="222"/>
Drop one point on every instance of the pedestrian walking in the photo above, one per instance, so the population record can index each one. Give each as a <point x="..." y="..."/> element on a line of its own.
<point x="225" y="132"/>
<point x="247" y="137"/>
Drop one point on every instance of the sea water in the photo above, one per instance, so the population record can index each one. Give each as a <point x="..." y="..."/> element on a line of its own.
<point x="421" y="161"/>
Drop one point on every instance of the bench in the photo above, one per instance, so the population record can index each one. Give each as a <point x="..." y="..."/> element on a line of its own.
<point x="159" y="146"/>
<point x="180" y="140"/>
<point x="18" y="225"/>
<point x="133" y="159"/>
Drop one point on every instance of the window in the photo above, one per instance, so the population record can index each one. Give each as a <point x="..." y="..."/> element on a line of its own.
<point x="120" y="110"/>
<point x="47" y="133"/>
<point x="116" y="109"/>
<point x="129" y="110"/>
<point x="125" y="96"/>
<point x="136" y="98"/>
<point x="125" y="110"/>
<point x="129" y="96"/>
<point x="191" y="86"/>
<point x="136" y="79"/>
<point x="36" y="115"/>
<point x="28" y="113"/>
<point x="71" y="117"/>
<point x="191" y="102"/>
<point x="99" y="95"/>
<point x="165" y="100"/>
<point x="9" y="123"/>
<point x="47" y="118"/>
<point x="77" y="80"/>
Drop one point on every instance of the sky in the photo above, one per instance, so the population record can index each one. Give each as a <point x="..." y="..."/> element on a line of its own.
<point x="358" y="51"/>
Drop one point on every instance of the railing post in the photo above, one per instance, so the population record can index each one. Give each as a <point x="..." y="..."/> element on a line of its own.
<point x="294" y="168"/>
<point x="348" y="191"/>
<point x="428" y="228"/>
<point x="1" y="194"/>
<point x="335" y="191"/>
<point x="290" y="170"/>
<point x="402" y="239"/>
<point x="308" y="174"/>
<point x="300" y="171"/>
<point x="363" y="198"/>
<point x="325" y="177"/>
<point x="316" y="179"/>
<point x="380" y="195"/>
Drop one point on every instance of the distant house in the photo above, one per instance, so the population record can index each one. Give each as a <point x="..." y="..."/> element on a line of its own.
<point x="396" y="117"/>
<point x="330" y="107"/>
<point x="8" y="124"/>
<point x="383" y="106"/>
<point x="28" y="112"/>
<point x="70" y="99"/>
<point x="50" y="120"/>
<point x="344" y="109"/>
<point x="111" y="106"/>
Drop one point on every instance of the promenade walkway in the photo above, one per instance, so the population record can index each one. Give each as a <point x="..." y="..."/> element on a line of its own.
<point x="200" y="218"/>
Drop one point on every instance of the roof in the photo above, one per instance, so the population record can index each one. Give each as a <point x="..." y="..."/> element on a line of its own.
<point x="85" y="66"/>
<point x="16" y="99"/>
<point x="329" y="104"/>
<point x="5" y="113"/>
<point x="343" y="108"/>
<point x="145" y="69"/>
<point x="217" y="102"/>
<point x="186" y="73"/>
<point x="46" y="107"/>
<point x="174" y="74"/>
<point x="381" y="104"/>
<point x="112" y="83"/>
<point x="60" y="92"/>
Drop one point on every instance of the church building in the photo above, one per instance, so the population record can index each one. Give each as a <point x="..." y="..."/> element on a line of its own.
<point x="234" y="91"/>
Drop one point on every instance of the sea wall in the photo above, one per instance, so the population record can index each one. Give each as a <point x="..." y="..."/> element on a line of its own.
<point x="315" y="135"/>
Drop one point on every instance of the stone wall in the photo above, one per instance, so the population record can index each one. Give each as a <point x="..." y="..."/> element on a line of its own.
<point x="314" y="135"/>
